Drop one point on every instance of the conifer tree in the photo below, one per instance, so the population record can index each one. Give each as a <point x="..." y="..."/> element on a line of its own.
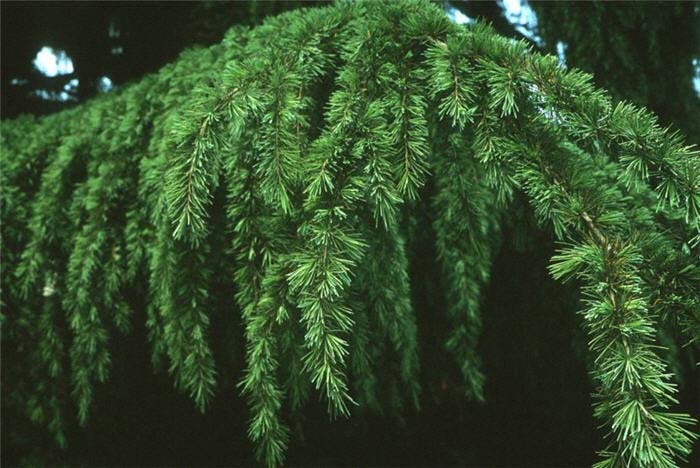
<point x="300" y="151"/>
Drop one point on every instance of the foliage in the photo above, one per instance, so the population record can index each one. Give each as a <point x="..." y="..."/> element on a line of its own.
<point x="300" y="151"/>
<point x="639" y="52"/>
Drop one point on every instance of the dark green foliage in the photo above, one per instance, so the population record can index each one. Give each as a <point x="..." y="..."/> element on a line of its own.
<point x="640" y="52"/>
<point x="306" y="145"/>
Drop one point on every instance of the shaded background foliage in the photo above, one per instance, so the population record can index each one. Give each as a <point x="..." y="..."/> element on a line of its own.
<point x="641" y="52"/>
<point x="149" y="34"/>
<point x="537" y="408"/>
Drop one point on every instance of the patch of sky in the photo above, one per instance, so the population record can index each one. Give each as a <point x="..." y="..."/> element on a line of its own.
<point x="46" y="95"/>
<point x="457" y="16"/>
<point x="104" y="84"/>
<point x="520" y="14"/>
<point x="52" y="62"/>
<point x="71" y="86"/>
<point x="561" y="53"/>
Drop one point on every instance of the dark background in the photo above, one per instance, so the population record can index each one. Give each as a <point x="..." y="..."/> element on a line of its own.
<point x="538" y="408"/>
<point x="150" y="35"/>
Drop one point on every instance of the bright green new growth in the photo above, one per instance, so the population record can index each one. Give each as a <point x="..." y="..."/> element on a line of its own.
<point x="292" y="158"/>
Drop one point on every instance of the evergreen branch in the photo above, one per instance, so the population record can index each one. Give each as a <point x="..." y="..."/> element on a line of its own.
<point x="391" y="307"/>
<point x="256" y="297"/>
<point x="375" y="147"/>
<point x="193" y="174"/>
<point x="314" y="203"/>
<point x="410" y="134"/>
<point x="634" y="389"/>
<point x="635" y="393"/>
<point x="450" y="78"/>
<point x="364" y="354"/>
<point x="331" y="249"/>
<point x="464" y="228"/>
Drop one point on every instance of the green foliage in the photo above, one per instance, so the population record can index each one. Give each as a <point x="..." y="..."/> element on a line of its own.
<point x="654" y="45"/>
<point x="634" y="387"/>
<point x="308" y="144"/>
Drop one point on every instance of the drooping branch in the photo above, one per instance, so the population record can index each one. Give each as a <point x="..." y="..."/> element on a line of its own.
<point x="325" y="127"/>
